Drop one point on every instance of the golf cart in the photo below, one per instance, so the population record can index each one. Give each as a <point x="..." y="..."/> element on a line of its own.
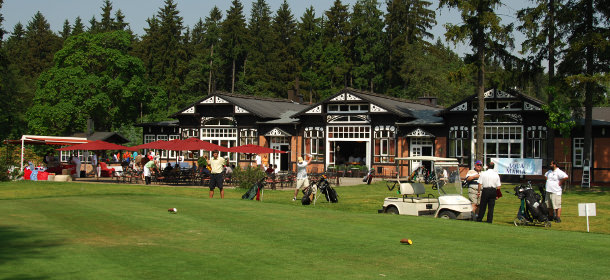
<point x="448" y="203"/>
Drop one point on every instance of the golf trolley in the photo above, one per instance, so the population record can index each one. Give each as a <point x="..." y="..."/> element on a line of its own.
<point x="317" y="188"/>
<point x="449" y="204"/>
<point x="533" y="210"/>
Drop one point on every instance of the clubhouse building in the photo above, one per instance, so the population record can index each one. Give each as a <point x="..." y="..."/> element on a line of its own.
<point x="354" y="129"/>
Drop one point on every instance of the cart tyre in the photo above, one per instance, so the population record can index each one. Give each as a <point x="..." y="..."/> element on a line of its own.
<point x="446" y="214"/>
<point x="392" y="210"/>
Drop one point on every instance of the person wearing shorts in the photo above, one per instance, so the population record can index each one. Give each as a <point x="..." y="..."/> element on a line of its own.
<point x="554" y="179"/>
<point x="472" y="177"/>
<point x="216" y="177"/>
<point x="302" y="180"/>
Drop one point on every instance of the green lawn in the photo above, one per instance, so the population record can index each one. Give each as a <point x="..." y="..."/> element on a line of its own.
<point x="110" y="231"/>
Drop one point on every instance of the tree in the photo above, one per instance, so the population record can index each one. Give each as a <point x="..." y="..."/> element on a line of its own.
<point x="482" y="28"/>
<point x="408" y="22"/>
<point x="212" y="28"/>
<point x="233" y="38"/>
<point x="586" y="62"/>
<point x="93" y="77"/>
<point x="540" y="24"/>
<point x="66" y="30"/>
<point x="260" y="62"/>
<point x="369" y="52"/>
<point x="41" y="44"/>
<point x="337" y="55"/>
<point x="107" y="22"/>
<point x="78" y="26"/>
<point x="309" y="41"/>
<point x="284" y="28"/>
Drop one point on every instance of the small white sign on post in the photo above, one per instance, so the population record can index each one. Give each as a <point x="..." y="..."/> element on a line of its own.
<point x="586" y="209"/>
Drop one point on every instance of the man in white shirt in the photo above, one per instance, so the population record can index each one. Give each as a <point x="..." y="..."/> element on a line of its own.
<point x="76" y="162"/>
<point x="489" y="187"/>
<point x="554" y="179"/>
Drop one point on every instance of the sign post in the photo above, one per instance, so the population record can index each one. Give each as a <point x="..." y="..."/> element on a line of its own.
<point x="586" y="209"/>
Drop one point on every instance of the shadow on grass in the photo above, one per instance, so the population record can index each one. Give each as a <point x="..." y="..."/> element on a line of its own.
<point x="17" y="245"/>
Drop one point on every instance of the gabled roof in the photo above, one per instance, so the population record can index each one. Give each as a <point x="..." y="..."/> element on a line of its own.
<point x="462" y="105"/>
<point x="397" y="106"/>
<point x="111" y="137"/>
<point x="271" y="108"/>
<point x="172" y="123"/>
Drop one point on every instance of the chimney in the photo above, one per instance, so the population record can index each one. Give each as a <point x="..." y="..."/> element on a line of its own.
<point x="430" y="100"/>
<point x="292" y="95"/>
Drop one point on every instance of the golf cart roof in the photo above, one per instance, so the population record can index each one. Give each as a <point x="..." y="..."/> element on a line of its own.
<point x="429" y="158"/>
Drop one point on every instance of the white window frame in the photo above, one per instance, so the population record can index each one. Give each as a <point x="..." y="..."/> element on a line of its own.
<point x="315" y="135"/>
<point x="163" y="153"/>
<point x="348" y="108"/>
<point x="222" y="136"/>
<point x="499" y="137"/>
<point x="384" y="134"/>
<point x="173" y="154"/>
<point x="578" y="154"/>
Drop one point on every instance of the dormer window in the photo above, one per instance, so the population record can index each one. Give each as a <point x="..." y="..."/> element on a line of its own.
<point x="348" y="108"/>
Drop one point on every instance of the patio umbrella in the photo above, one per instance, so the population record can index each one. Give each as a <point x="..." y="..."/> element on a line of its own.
<point x="98" y="145"/>
<point x="152" y="145"/>
<point x="192" y="144"/>
<point x="254" y="149"/>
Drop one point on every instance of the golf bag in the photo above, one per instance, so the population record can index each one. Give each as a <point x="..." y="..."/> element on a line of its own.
<point x="328" y="191"/>
<point x="254" y="190"/>
<point x="369" y="176"/>
<point x="307" y="195"/>
<point x="533" y="209"/>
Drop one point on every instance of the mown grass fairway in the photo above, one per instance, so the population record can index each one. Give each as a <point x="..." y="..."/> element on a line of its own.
<point x="108" y="231"/>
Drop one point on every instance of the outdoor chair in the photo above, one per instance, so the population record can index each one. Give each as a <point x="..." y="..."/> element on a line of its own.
<point x="105" y="171"/>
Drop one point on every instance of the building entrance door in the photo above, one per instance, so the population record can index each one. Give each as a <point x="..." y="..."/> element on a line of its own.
<point x="281" y="160"/>
<point x="421" y="146"/>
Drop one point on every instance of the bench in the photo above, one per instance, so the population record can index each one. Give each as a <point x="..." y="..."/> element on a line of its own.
<point x="413" y="190"/>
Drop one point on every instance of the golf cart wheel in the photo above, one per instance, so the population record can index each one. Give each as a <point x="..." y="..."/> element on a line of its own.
<point x="519" y="221"/>
<point x="547" y="224"/>
<point x="446" y="214"/>
<point x="391" y="210"/>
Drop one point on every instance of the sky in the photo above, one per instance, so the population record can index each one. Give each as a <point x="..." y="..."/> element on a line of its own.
<point x="137" y="11"/>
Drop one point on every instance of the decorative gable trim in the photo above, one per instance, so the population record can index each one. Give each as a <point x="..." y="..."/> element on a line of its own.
<point x="377" y="109"/>
<point x="189" y="110"/>
<point x="240" y="110"/>
<point x="351" y="97"/>
<point x="504" y="94"/>
<point x="461" y="107"/>
<point x="315" y="110"/>
<point x="220" y="100"/>
<point x="340" y="97"/>
<point x="530" y="107"/>
<point x="278" y="132"/>
<point x="209" y="100"/>
<point x="419" y="133"/>
<point x="489" y="94"/>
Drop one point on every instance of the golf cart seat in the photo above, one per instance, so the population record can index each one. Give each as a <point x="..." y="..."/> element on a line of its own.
<point x="413" y="190"/>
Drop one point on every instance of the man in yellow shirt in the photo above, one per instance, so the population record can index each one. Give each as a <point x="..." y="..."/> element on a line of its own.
<point x="216" y="177"/>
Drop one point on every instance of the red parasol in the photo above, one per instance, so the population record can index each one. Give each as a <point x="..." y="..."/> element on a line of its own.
<point x="254" y="149"/>
<point x="98" y="145"/>
<point x="192" y="144"/>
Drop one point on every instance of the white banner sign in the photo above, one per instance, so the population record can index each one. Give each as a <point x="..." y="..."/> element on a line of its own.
<point x="518" y="166"/>
<point x="586" y="209"/>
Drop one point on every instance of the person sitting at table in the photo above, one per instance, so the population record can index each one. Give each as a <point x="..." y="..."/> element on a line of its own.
<point x="168" y="168"/>
<point x="270" y="171"/>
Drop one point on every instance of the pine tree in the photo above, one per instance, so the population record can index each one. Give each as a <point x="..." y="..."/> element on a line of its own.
<point x="41" y="44"/>
<point x="286" y="72"/>
<point x="78" y="27"/>
<point x="481" y="27"/>
<point x="169" y="49"/>
<point x="586" y="62"/>
<point x="337" y="55"/>
<point x="408" y="22"/>
<point x="367" y="32"/>
<point x="66" y="30"/>
<point x="212" y="38"/>
<point x="310" y="52"/>
<point x="233" y="37"/>
<point x="94" y="25"/>
<point x="106" y="22"/>
<point x="119" y="22"/>
<point x="261" y="61"/>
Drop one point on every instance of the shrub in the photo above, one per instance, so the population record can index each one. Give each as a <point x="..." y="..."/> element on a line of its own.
<point x="246" y="177"/>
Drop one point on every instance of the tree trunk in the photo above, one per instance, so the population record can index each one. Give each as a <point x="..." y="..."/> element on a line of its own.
<point x="233" y="78"/>
<point x="588" y="86"/>
<point x="480" y="92"/>
<point x="210" y="77"/>
<point x="551" y="52"/>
